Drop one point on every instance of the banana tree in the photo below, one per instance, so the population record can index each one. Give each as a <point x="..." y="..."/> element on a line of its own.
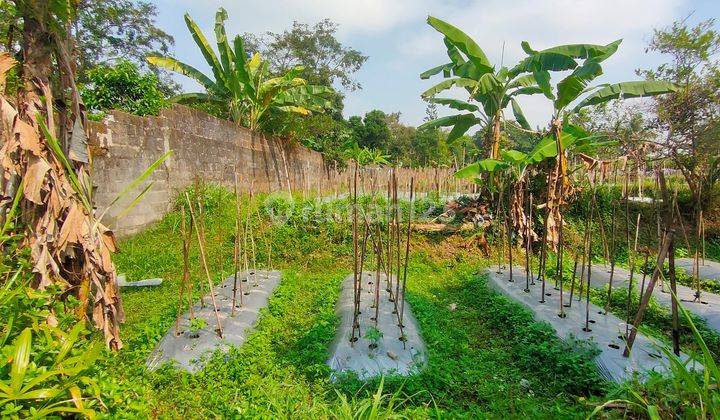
<point x="491" y="90"/>
<point x="365" y="155"/>
<point x="584" y="61"/>
<point x="513" y="168"/>
<point x="243" y="84"/>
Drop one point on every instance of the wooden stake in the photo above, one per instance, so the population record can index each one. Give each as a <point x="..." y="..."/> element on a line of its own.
<point x="648" y="293"/>
<point x="236" y="252"/>
<point x="407" y="254"/>
<point x="356" y="325"/>
<point x="612" y="260"/>
<point x="185" y="284"/>
<point x="200" y="237"/>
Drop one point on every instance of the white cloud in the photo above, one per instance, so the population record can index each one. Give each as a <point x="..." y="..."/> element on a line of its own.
<point x="400" y="45"/>
<point x="359" y="16"/>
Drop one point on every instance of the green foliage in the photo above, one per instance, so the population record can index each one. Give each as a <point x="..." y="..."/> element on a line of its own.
<point x="280" y="371"/>
<point x="371" y="131"/>
<point x="406" y="145"/>
<point x="374" y="336"/>
<point x="585" y="61"/>
<point x="45" y="370"/>
<point x="493" y="90"/>
<point x="243" y="85"/>
<point x="688" y="392"/>
<point x="323" y="58"/>
<point x="325" y="134"/>
<point x="691" y="115"/>
<point x="197" y="324"/>
<point x="122" y="87"/>
<point x="112" y="31"/>
<point x="47" y="378"/>
<point x="364" y="155"/>
<point x="105" y="33"/>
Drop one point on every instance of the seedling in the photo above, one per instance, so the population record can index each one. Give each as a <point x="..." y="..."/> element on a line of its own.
<point x="373" y="335"/>
<point x="197" y="324"/>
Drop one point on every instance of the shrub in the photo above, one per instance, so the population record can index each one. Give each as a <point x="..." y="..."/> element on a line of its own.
<point x="122" y="87"/>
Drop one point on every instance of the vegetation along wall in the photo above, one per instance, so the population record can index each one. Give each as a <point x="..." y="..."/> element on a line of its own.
<point x="124" y="145"/>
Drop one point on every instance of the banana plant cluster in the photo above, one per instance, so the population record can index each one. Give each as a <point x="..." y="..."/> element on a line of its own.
<point x="489" y="91"/>
<point x="512" y="171"/>
<point x="242" y="84"/>
<point x="365" y="155"/>
<point x="584" y="61"/>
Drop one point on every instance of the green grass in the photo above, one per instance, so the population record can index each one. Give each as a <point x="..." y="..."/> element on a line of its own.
<point x="487" y="358"/>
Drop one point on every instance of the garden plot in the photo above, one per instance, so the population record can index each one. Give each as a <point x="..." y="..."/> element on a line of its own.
<point x="197" y="339"/>
<point x="707" y="308"/>
<point x="380" y="348"/>
<point x="708" y="270"/>
<point x="606" y="331"/>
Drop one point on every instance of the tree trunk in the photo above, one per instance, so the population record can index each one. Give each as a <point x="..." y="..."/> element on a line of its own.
<point x="495" y="147"/>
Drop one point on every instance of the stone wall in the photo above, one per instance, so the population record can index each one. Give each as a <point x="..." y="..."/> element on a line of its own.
<point x="124" y="145"/>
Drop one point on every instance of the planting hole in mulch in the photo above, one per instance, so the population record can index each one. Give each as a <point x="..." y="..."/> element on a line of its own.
<point x="188" y="351"/>
<point x="378" y="348"/>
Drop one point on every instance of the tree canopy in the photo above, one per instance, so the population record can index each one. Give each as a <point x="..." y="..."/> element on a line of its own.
<point x="324" y="58"/>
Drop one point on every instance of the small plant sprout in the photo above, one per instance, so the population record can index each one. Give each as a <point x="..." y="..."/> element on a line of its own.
<point x="374" y="336"/>
<point x="197" y="324"/>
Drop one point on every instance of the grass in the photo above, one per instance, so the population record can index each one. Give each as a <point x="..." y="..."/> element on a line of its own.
<point x="487" y="357"/>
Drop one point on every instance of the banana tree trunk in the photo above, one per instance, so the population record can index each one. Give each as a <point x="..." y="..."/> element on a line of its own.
<point x="557" y="181"/>
<point x="79" y="257"/>
<point x="495" y="145"/>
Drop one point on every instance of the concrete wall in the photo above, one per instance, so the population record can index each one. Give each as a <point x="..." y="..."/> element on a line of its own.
<point x="124" y="145"/>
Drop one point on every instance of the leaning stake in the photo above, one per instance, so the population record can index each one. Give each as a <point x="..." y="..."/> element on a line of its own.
<point x="200" y="237"/>
<point x="407" y="253"/>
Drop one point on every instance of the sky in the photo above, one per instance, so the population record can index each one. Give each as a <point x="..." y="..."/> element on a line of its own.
<point x="400" y="44"/>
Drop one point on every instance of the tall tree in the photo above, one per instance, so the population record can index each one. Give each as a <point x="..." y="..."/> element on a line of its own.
<point x="691" y="116"/>
<point x="372" y="130"/>
<point x="105" y="32"/>
<point x="316" y="48"/>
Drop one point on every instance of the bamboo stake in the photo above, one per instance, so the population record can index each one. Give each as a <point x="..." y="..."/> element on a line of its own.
<point x="355" y="257"/>
<point x="587" y="293"/>
<point x="407" y="254"/>
<point x="186" y="272"/>
<point x="612" y="260"/>
<point x="200" y="237"/>
<point x="508" y="230"/>
<point x="527" y="238"/>
<point x="397" y="240"/>
<point x="253" y="250"/>
<point x="363" y="248"/>
<point x="529" y="246"/>
<point x="586" y="240"/>
<point x="648" y="293"/>
<point x="388" y="268"/>
<point x="236" y="252"/>
<point x="378" y="252"/>
<point x="501" y="253"/>
<point x="543" y="255"/>
<point x="572" y="283"/>
<point x="696" y="265"/>
<point x="644" y="272"/>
